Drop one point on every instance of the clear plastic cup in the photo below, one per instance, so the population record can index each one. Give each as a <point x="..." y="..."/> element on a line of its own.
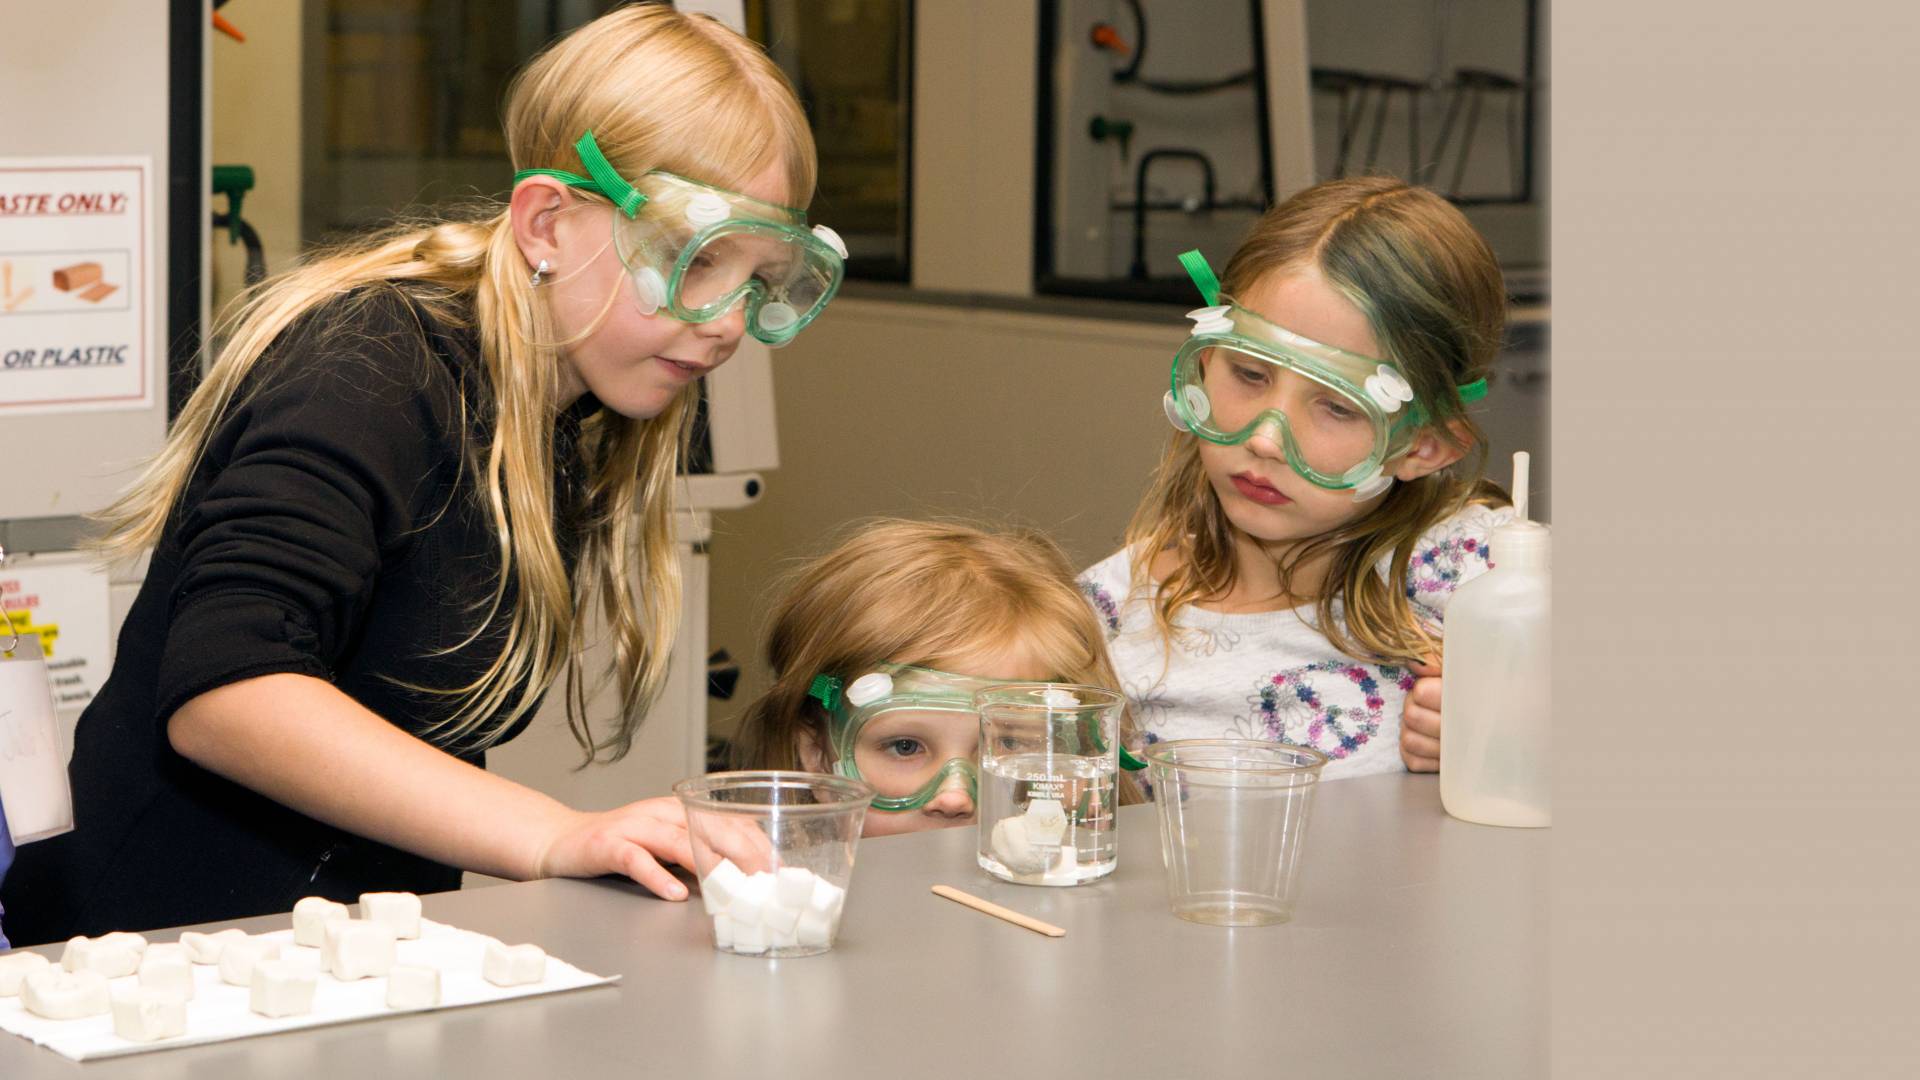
<point x="1233" y="824"/>
<point x="774" y="852"/>
<point x="1048" y="782"/>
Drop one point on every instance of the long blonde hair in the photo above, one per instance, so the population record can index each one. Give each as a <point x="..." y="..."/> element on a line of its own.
<point x="659" y="89"/>
<point x="923" y="593"/>
<point x="1430" y="288"/>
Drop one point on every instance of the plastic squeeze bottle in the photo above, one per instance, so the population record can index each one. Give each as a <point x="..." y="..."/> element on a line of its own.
<point x="1497" y="703"/>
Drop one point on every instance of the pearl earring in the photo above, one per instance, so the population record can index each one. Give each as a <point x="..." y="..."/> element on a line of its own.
<point x="539" y="272"/>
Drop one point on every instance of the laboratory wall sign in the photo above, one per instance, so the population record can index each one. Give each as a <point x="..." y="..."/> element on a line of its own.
<point x="76" y="273"/>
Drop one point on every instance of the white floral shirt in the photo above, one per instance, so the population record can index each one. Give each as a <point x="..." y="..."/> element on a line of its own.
<point x="1271" y="675"/>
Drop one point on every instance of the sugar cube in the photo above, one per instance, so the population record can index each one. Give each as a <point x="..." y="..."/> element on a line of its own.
<point x="513" y="965"/>
<point x="1065" y="869"/>
<point x="815" y="929"/>
<point x="827" y="899"/>
<point x="358" y="949"/>
<point x="280" y="988"/>
<point x="15" y="966"/>
<point x="782" y="939"/>
<point x="749" y="937"/>
<point x="238" y="957"/>
<point x="144" y="1014"/>
<point x="753" y="897"/>
<point x="59" y="994"/>
<point x="794" y="886"/>
<point x="166" y="969"/>
<point x="1046" y="821"/>
<point x="399" y="910"/>
<point x="413" y="986"/>
<point x="723" y="931"/>
<point x="310" y="918"/>
<point x="205" y="948"/>
<point x="720" y="886"/>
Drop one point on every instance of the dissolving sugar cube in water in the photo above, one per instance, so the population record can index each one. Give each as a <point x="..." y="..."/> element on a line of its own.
<point x="1052" y="818"/>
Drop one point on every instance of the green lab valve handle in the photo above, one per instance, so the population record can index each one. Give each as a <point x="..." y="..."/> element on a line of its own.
<point x="233" y="181"/>
<point x="1103" y="129"/>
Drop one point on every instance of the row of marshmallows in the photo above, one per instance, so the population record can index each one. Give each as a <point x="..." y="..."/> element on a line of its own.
<point x="752" y="913"/>
<point x="281" y="979"/>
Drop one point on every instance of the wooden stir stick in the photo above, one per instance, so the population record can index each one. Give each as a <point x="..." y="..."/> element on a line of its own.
<point x="998" y="912"/>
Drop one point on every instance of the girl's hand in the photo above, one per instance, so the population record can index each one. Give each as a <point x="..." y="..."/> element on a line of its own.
<point x="631" y="840"/>
<point x="1420" y="721"/>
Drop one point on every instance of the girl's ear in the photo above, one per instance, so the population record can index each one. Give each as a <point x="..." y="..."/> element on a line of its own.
<point x="535" y="208"/>
<point x="1431" y="453"/>
<point x="812" y="758"/>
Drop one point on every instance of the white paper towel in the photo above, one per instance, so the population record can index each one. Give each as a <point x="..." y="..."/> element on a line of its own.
<point x="219" y="1012"/>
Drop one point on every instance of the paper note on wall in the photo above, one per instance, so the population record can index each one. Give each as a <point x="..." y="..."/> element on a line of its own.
<point x="76" y="259"/>
<point x="63" y="601"/>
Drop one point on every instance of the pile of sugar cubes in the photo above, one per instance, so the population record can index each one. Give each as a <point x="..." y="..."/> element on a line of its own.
<point x="1030" y="843"/>
<point x="148" y="988"/>
<point x="789" y="908"/>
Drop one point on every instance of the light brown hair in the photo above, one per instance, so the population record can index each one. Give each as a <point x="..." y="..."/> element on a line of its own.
<point x="1431" y="290"/>
<point x="659" y="89"/>
<point x="922" y="593"/>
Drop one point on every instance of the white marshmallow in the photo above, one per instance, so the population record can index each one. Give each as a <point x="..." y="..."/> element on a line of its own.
<point x="722" y="931"/>
<point x="167" y="970"/>
<point x="144" y="1014"/>
<point x="59" y="994"/>
<point x="238" y="957"/>
<point x="169" y="948"/>
<point x="281" y="988"/>
<point x="1046" y="821"/>
<point x="15" y="966"/>
<point x="412" y="986"/>
<point x="110" y="956"/>
<point x="754" y="896"/>
<point x="302" y="958"/>
<point x="122" y="939"/>
<point x="205" y="948"/>
<point x="827" y="899"/>
<point x="721" y="885"/>
<point x="358" y="949"/>
<point x="815" y="929"/>
<point x="310" y="918"/>
<point x="749" y="937"/>
<point x="399" y="910"/>
<point x="793" y="885"/>
<point x="513" y="965"/>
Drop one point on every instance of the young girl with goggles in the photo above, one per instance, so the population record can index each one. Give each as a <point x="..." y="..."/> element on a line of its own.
<point x="879" y="646"/>
<point x="1287" y="573"/>
<point x="697" y="251"/>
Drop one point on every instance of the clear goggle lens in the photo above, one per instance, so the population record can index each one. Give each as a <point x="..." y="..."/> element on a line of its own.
<point x="1232" y="394"/>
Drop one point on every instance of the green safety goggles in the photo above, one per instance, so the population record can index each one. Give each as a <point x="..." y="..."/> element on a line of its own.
<point x="695" y="250"/>
<point x="884" y="726"/>
<point x="1338" y="417"/>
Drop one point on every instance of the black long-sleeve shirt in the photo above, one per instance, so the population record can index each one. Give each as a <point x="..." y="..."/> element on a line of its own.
<point x="331" y="529"/>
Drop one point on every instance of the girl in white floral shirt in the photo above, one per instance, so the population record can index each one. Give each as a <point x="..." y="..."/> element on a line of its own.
<point x="1287" y="573"/>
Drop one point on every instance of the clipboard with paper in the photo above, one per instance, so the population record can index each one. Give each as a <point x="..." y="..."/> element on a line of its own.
<point x="34" y="794"/>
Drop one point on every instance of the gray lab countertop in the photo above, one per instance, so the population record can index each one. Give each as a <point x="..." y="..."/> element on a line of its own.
<point x="1417" y="948"/>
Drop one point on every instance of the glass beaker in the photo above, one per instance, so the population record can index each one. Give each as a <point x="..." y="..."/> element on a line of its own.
<point x="1048" y="782"/>
<point x="1233" y="822"/>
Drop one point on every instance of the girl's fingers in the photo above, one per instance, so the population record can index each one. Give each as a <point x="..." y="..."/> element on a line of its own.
<point x="1420" y="721"/>
<point x="641" y="867"/>
<point x="1422" y="670"/>
<point x="1425" y="693"/>
<point x="659" y="838"/>
<point x="1420" y="753"/>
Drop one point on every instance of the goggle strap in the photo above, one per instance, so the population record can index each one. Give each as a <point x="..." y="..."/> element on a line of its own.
<point x="1473" y="391"/>
<point x="1129" y="762"/>
<point x="604" y="180"/>
<point x="825" y="690"/>
<point x="1203" y="277"/>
